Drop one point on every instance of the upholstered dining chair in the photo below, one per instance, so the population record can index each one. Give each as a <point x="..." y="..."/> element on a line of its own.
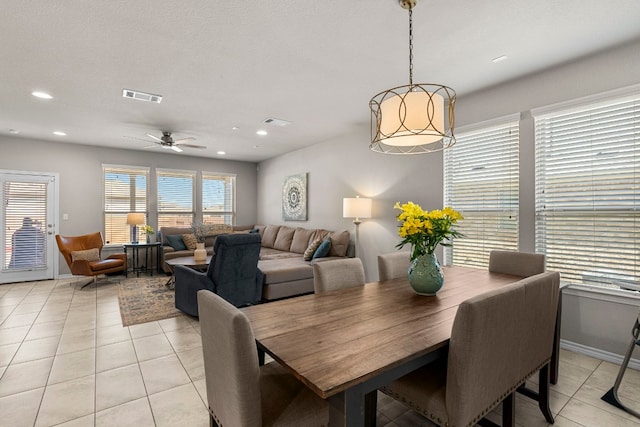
<point x="393" y="265"/>
<point x="337" y="274"/>
<point x="499" y="339"/>
<point x="232" y="273"/>
<point x="521" y="264"/>
<point x="83" y="255"/>
<point x="240" y="392"/>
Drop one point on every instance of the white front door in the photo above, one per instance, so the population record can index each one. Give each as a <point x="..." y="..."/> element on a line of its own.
<point x="28" y="226"/>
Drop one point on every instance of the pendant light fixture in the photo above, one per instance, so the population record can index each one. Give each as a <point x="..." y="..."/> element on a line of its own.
<point x="412" y="119"/>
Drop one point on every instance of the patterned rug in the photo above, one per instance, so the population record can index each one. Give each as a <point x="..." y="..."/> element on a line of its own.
<point x="145" y="299"/>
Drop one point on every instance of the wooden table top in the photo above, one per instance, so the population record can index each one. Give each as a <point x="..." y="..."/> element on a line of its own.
<point x="188" y="261"/>
<point x="335" y="340"/>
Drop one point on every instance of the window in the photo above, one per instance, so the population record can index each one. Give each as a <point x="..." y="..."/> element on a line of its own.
<point x="175" y="198"/>
<point x="588" y="191"/>
<point x="481" y="181"/>
<point x="125" y="190"/>
<point x="218" y="198"/>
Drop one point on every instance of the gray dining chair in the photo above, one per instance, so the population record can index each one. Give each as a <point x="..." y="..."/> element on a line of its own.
<point x="499" y="339"/>
<point x="239" y="391"/>
<point x="337" y="274"/>
<point x="523" y="264"/>
<point x="393" y="265"/>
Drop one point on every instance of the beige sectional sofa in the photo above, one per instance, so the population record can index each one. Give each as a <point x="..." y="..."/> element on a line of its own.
<point x="281" y="257"/>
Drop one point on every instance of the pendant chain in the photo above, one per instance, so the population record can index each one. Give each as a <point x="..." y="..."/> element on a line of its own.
<point x="410" y="46"/>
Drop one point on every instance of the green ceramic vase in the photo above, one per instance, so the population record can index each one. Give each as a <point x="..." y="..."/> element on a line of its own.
<point x="425" y="275"/>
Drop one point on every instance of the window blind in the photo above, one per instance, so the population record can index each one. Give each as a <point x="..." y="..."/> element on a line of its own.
<point x="218" y="198"/>
<point x="588" y="192"/>
<point x="125" y="190"/>
<point x="481" y="175"/>
<point x="24" y="213"/>
<point x="175" y="198"/>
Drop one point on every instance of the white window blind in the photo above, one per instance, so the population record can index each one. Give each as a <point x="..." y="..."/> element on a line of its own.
<point x="175" y="197"/>
<point x="588" y="192"/>
<point x="218" y="198"/>
<point x="24" y="210"/>
<point x="125" y="190"/>
<point x="481" y="175"/>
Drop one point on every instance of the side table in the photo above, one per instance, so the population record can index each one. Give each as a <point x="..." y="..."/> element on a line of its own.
<point x="148" y="257"/>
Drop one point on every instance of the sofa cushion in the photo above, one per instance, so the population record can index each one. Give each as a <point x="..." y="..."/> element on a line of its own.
<point x="284" y="238"/>
<point x="86" y="255"/>
<point x="176" y="242"/>
<point x="323" y="249"/>
<point x="301" y="240"/>
<point x="320" y="234"/>
<point x="339" y="243"/>
<point x="284" y="270"/>
<point x="190" y="241"/>
<point x="311" y="249"/>
<point x="269" y="235"/>
<point x="268" y="253"/>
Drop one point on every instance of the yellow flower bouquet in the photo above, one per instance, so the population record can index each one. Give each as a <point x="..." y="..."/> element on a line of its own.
<point x="424" y="230"/>
<point x="147" y="229"/>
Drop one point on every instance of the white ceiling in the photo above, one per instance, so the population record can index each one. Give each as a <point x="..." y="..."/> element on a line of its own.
<point x="220" y="64"/>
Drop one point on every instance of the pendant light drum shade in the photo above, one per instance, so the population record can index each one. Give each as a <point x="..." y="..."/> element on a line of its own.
<point x="412" y="119"/>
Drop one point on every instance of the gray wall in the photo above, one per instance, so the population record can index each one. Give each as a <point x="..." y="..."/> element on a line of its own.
<point x="344" y="166"/>
<point x="80" y="169"/>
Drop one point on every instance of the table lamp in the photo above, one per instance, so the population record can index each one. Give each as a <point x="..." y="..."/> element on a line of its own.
<point x="356" y="207"/>
<point x="134" y="219"/>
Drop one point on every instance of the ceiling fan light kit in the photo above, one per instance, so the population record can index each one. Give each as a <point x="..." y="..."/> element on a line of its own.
<point x="415" y="118"/>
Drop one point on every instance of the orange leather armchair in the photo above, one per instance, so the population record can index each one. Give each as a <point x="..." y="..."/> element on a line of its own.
<point x="82" y="258"/>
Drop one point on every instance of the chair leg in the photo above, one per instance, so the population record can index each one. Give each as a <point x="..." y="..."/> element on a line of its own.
<point x="95" y="279"/>
<point x="509" y="411"/>
<point x="543" y="394"/>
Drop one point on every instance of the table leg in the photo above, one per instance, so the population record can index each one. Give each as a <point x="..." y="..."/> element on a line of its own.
<point x="347" y="409"/>
<point x="555" y="354"/>
<point x="126" y="270"/>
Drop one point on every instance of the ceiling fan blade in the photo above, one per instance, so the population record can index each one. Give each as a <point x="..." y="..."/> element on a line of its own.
<point x="179" y="141"/>
<point x="154" y="137"/>
<point x="151" y="146"/>
<point x="176" y="149"/>
<point x="198" y="147"/>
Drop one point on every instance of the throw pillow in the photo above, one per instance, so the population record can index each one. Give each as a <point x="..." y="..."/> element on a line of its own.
<point x="311" y="249"/>
<point x="323" y="249"/>
<point x="190" y="241"/>
<point x="176" y="242"/>
<point x="86" y="255"/>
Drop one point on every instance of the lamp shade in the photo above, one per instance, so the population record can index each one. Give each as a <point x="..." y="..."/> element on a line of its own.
<point x="356" y="207"/>
<point x="416" y="117"/>
<point x="135" y="218"/>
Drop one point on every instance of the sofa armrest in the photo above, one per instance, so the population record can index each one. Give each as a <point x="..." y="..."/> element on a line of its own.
<point x="192" y="278"/>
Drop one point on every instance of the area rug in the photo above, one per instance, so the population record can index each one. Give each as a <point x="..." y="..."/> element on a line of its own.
<point x="145" y="299"/>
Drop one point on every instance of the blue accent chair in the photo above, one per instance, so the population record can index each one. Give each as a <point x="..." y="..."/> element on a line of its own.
<point x="233" y="274"/>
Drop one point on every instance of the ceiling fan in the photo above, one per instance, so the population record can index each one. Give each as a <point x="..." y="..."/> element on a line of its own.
<point x="167" y="142"/>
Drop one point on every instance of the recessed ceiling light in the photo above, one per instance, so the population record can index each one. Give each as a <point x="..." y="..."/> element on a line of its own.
<point x="59" y="133"/>
<point x="499" y="58"/>
<point x="256" y="146"/>
<point x="43" y="95"/>
<point x="235" y="128"/>
<point x="222" y="153"/>
<point x="261" y="132"/>
<point x="14" y="131"/>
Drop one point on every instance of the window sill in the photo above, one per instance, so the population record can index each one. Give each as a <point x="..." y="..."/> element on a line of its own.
<point x="618" y="296"/>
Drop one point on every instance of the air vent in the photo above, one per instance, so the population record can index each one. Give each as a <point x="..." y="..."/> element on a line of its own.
<point x="141" y="96"/>
<point x="276" y="122"/>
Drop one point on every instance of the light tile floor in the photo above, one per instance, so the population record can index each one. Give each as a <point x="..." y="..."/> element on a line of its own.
<point x="66" y="360"/>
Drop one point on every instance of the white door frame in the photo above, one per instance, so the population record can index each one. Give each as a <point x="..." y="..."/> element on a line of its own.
<point x="53" y="201"/>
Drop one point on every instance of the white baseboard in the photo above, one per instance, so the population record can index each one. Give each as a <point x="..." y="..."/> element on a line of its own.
<point x="598" y="354"/>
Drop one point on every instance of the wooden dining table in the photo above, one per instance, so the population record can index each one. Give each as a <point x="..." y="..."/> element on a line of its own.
<point x="345" y="344"/>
